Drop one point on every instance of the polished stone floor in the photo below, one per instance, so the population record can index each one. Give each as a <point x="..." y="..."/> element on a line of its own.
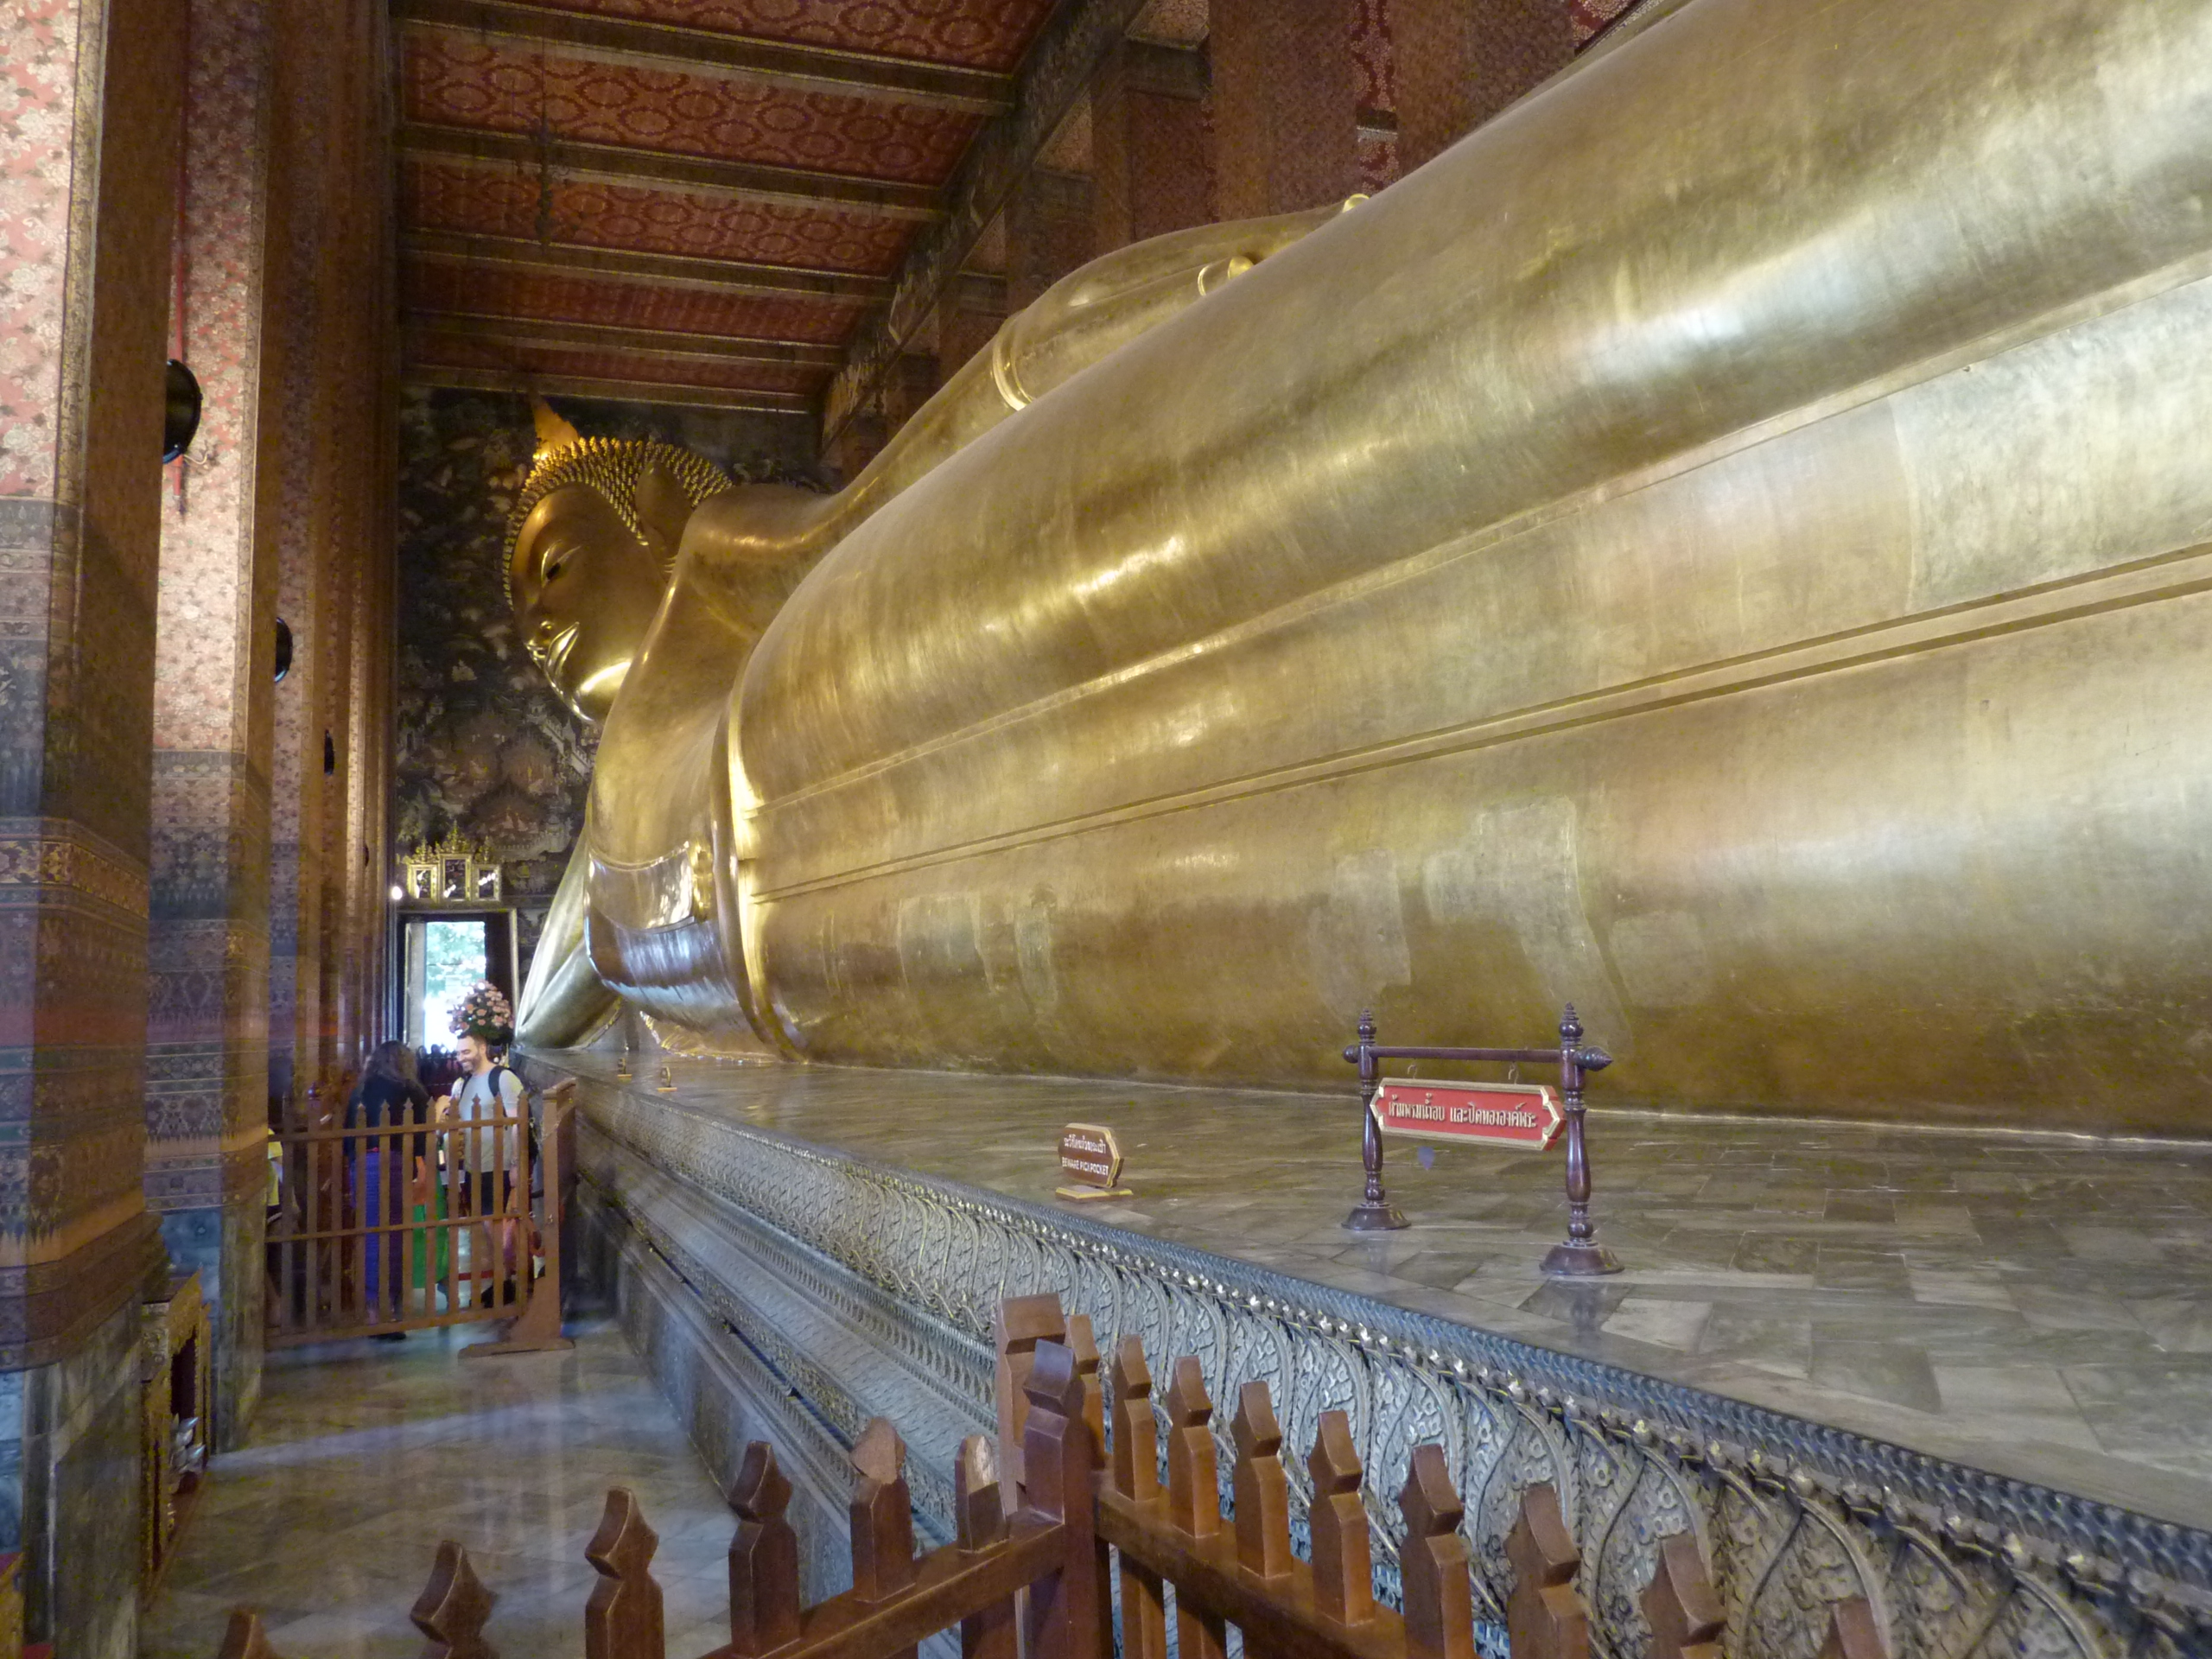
<point x="365" y="1454"/>
<point x="2039" y="1305"/>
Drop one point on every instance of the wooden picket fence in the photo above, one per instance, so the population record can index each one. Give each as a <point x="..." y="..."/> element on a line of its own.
<point x="348" y="1256"/>
<point x="1042" y="1516"/>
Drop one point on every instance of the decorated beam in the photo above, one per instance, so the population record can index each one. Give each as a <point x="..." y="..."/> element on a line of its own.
<point x="660" y="269"/>
<point x="649" y="342"/>
<point x="1056" y="74"/>
<point x="627" y="391"/>
<point x="654" y="170"/>
<point x="679" y="50"/>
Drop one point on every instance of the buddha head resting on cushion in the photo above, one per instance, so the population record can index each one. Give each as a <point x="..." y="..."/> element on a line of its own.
<point x="590" y="546"/>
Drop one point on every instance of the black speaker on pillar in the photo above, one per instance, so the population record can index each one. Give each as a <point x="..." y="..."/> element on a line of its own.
<point x="180" y="410"/>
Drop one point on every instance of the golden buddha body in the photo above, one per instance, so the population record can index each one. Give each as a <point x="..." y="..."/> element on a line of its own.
<point x="1724" y="544"/>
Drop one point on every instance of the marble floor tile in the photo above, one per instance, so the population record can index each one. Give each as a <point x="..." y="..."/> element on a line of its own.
<point x="1934" y="1288"/>
<point x="363" y="1458"/>
<point x="1892" y="1371"/>
<point x="1581" y="1305"/>
<point x="2178" y="1325"/>
<point x="1851" y="1267"/>
<point x="1645" y="1318"/>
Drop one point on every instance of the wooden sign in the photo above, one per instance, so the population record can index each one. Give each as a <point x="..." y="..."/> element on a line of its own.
<point x="1522" y="1114"/>
<point x="1091" y="1159"/>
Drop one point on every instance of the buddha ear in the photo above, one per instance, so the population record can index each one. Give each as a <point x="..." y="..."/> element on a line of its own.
<point x="663" y="509"/>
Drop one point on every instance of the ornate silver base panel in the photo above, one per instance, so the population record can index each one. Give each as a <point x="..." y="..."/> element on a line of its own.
<point x="783" y="1290"/>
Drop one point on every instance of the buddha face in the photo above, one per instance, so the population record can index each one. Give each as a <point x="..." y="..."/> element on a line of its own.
<point x="586" y="589"/>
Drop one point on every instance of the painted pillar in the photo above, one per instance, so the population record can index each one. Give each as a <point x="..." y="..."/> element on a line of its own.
<point x="969" y="314"/>
<point x="1151" y="144"/>
<point x="207" y="1026"/>
<point x="329" y="403"/>
<point x="294" y="419"/>
<point x="1286" y="104"/>
<point x="89" y="103"/>
<point x="1048" y="233"/>
<point x="912" y="382"/>
<point x="1459" y="62"/>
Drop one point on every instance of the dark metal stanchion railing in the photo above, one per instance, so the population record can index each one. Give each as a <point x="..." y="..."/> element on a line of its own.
<point x="1580" y="1254"/>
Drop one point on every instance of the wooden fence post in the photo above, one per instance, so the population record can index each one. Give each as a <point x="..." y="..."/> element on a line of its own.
<point x="1066" y="1619"/>
<point x="1261" y="1488"/>
<point x="1021" y="1324"/>
<point x="1344" y="1561"/>
<point x="622" y="1620"/>
<point x="979" y="1520"/>
<point x="1433" y="1562"/>
<point x="1193" y="1495"/>
<point x="1085" y="1347"/>
<point x="1679" y="1604"/>
<point x="1852" y="1632"/>
<point x="453" y="1607"/>
<point x="1136" y="1477"/>
<point x="882" y="1512"/>
<point x="246" y="1639"/>
<point x="1544" y="1617"/>
<point x="764" y="1605"/>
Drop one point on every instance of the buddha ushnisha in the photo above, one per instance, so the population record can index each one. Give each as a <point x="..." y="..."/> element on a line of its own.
<point x="1724" y="544"/>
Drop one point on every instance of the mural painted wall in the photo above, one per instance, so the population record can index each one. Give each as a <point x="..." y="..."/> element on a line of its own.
<point x="483" y="747"/>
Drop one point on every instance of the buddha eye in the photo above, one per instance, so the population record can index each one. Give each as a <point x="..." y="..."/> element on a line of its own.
<point x="553" y="566"/>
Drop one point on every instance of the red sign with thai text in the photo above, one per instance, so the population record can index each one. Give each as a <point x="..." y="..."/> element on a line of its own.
<point x="1522" y="1114"/>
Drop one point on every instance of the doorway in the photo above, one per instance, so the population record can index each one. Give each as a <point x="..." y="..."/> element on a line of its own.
<point x="444" y="953"/>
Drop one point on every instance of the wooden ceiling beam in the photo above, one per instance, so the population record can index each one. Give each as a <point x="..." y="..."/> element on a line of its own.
<point x="591" y="336"/>
<point x="622" y="392"/>
<point x="660" y="270"/>
<point x="1055" y="74"/>
<point x="689" y="51"/>
<point x="656" y="170"/>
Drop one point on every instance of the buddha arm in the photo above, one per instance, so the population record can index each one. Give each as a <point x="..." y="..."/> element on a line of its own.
<point x="564" y="1003"/>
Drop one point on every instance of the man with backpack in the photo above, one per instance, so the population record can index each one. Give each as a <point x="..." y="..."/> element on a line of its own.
<point x="487" y="1117"/>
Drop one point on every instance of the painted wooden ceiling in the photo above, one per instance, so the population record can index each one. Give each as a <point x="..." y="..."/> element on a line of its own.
<point x="677" y="200"/>
<point x="708" y="201"/>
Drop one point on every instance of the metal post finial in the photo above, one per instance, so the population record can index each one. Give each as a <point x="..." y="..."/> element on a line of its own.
<point x="1374" y="1213"/>
<point x="1581" y="1256"/>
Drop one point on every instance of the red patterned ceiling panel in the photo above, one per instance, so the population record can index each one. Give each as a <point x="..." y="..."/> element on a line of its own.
<point x="456" y="80"/>
<point x="494" y="201"/>
<point x="979" y="33"/>
<point x="435" y="285"/>
<point x="453" y="352"/>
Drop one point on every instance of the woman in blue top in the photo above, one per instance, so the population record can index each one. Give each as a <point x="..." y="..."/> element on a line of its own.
<point x="389" y="1096"/>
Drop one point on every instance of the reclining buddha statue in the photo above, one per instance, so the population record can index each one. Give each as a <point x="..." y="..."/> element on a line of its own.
<point x="1724" y="544"/>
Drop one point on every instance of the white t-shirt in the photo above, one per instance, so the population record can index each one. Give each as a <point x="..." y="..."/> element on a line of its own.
<point x="485" y="1143"/>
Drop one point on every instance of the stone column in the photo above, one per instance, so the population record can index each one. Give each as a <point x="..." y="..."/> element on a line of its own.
<point x="207" y="1026"/>
<point x="329" y="393"/>
<point x="1286" y="104"/>
<point x="288" y="522"/>
<point x="861" y="440"/>
<point x="1151" y="149"/>
<point x="89" y="105"/>
<point x="1048" y="233"/>
<point x="913" y="380"/>
<point x="1459" y="62"/>
<point x="971" y="314"/>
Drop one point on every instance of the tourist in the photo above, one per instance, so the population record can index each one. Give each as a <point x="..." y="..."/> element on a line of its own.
<point x="489" y="1117"/>
<point x="389" y="1095"/>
